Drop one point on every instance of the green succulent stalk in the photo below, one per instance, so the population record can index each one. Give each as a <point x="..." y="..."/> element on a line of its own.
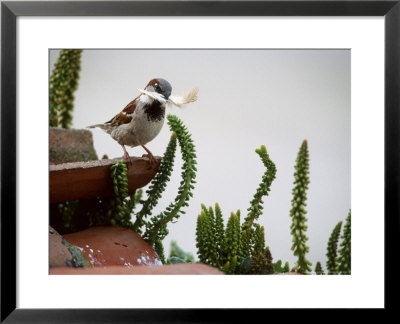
<point x="156" y="227"/>
<point x="201" y="234"/>
<point x="63" y="83"/>
<point x="159" y="248"/>
<point x="158" y="184"/>
<point x="67" y="210"/>
<point x="233" y="242"/>
<point x="120" y="213"/>
<point x="286" y="267"/>
<point x="206" y="243"/>
<point x="318" y="269"/>
<point x="135" y="199"/>
<point x="231" y="266"/>
<point x="331" y="264"/>
<point x="219" y="228"/>
<point x="259" y="239"/>
<point x="255" y="209"/>
<point x="278" y="267"/>
<point x="298" y="212"/>
<point x="345" y="248"/>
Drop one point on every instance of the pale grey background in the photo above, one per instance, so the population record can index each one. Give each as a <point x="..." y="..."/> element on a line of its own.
<point x="247" y="98"/>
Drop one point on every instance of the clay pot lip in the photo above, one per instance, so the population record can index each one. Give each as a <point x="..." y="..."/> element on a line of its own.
<point x="169" y="269"/>
<point x="103" y="227"/>
<point x="113" y="245"/>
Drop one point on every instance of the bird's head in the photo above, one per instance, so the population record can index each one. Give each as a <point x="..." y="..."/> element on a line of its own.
<point x="160" y="86"/>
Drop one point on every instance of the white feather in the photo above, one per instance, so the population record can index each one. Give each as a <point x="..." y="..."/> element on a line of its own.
<point x="177" y="101"/>
<point x="155" y="95"/>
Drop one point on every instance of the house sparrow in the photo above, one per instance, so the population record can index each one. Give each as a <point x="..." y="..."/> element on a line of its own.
<point x="142" y="119"/>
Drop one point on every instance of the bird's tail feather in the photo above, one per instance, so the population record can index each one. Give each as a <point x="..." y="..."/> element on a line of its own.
<point x="105" y="127"/>
<point x="97" y="125"/>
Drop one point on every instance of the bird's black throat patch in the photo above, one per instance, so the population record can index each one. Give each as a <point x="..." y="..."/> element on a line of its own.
<point x="154" y="111"/>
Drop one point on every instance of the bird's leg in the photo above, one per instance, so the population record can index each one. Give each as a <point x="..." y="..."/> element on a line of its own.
<point x="126" y="156"/>
<point x="149" y="155"/>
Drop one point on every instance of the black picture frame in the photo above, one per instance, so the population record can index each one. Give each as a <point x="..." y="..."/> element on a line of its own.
<point x="10" y="10"/>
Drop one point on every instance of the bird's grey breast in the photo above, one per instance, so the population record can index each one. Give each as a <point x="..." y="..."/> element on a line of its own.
<point x="147" y="122"/>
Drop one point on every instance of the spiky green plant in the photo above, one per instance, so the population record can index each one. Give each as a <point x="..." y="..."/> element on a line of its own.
<point x="231" y="266"/>
<point x="256" y="204"/>
<point x="318" y="269"/>
<point x="156" y="228"/>
<point x="137" y="198"/>
<point x="259" y="239"/>
<point x="207" y="244"/>
<point x="121" y="207"/>
<point x="219" y="228"/>
<point x="159" y="248"/>
<point x="331" y="253"/>
<point x="157" y="185"/>
<point x="63" y="83"/>
<point x="298" y="211"/>
<point x="202" y="234"/>
<point x="67" y="210"/>
<point x="231" y="248"/>
<point x="278" y="267"/>
<point x="233" y="243"/>
<point x="344" y="260"/>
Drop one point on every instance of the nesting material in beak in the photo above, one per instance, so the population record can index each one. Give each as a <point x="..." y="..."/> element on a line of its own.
<point x="177" y="101"/>
<point x="180" y="101"/>
<point x="155" y="95"/>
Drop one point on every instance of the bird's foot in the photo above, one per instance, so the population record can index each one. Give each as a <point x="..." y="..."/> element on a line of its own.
<point x="128" y="160"/>
<point x="150" y="156"/>
<point x="152" y="160"/>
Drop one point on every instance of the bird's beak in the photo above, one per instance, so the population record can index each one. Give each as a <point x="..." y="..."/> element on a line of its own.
<point x="154" y="95"/>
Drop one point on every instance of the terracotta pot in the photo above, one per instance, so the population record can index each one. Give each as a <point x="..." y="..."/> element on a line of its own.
<point x="113" y="246"/>
<point x="71" y="145"/>
<point x="172" y="269"/>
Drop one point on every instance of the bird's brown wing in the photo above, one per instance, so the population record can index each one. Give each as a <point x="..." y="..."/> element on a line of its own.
<point x="125" y="116"/>
<point x="130" y="107"/>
